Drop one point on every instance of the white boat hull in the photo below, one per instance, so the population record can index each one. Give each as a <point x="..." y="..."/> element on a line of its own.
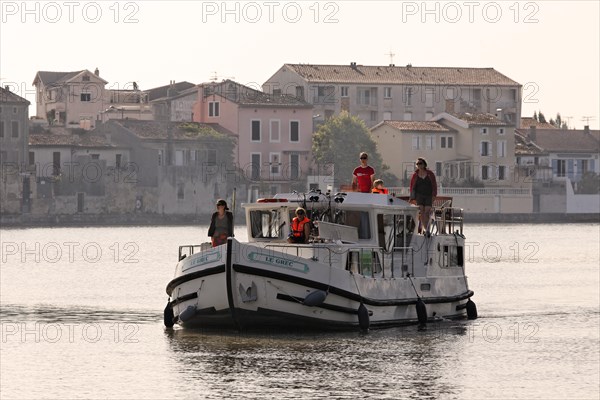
<point x="246" y="286"/>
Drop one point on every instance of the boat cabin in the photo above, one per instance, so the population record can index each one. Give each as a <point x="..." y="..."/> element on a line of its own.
<point x="371" y="231"/>
<point x="368" y="219"/>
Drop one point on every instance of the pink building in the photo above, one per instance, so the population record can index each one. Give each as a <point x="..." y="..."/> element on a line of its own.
<point x="274" y="133"/>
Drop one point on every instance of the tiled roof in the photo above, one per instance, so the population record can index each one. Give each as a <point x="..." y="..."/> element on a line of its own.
<point x="401" y="75"/>
<point x="53" y="77"/>
<point x="425" y="126"/>
<point x="186" y="92"/>
<point x="479" y="119"/>
<point x="6" y="96"/>
<point x="158" y="129"/>
<point x="524" y="146"/>
<point x="247" y="96"/>
<point x="50" y="77"/>
<point x="87" y="139"/>
<point x="526" y="122"/>
<point x="564" y="140"/>
<point x="172" y="90"/>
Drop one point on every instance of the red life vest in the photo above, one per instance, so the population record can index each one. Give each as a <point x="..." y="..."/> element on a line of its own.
<point x="298" y="227"/>
<point x="382" y="191"/>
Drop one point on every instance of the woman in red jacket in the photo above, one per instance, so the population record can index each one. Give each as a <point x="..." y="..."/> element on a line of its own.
<point x="423" y="190"/>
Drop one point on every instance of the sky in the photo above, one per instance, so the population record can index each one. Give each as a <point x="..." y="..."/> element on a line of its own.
<point x="550" y="47"/>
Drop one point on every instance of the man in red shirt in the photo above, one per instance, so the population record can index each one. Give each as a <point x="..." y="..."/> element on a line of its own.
<point x="363" y="175"/>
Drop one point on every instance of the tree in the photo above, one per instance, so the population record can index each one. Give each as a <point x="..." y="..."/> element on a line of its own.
<point x="589" y="184"/>
<point x="339" y="141"/>
<point x="541" y="117"/>
<point x="559" y="123"/>
<point x="558" y="120"/>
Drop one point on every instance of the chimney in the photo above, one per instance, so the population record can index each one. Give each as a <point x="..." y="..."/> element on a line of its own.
<point x="97" y="72"/>
<point x="532" y="131"/>
<point x="7" y="88"/>
<point x="586" y="129"/>
<point x="353" y="65"/>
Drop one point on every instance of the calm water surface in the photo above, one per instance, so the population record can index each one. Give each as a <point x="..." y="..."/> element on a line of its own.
<point x="81" y="315"/>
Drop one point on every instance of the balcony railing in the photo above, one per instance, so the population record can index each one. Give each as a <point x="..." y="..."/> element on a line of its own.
<point x="465" y="191"/>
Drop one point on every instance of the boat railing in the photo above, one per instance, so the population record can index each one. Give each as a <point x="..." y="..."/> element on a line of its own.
<point x="299" y="248"/>
<point x="367" y="261"/>
<point x="444" y="217"/>
<point x="370" y="261"/>
<point x="187" y="250"/>
<point x="448" y="220"/>
<point x="407" y="254"/>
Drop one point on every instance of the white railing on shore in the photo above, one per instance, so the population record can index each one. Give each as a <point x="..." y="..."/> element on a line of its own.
<point x="464" y="191"/>
<point x="488" y="191"/>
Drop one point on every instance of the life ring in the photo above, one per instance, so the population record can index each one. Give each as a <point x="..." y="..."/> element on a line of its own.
<point x="138" y="204"/>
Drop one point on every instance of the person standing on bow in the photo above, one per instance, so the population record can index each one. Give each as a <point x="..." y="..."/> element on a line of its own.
<point x="423" y="190"/>
<point x="300" y="227"/>
<point x="363" y="175"/>
<point x="221" y="224"/>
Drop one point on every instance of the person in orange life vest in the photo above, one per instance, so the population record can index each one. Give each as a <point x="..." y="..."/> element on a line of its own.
<point x="363" y="175"/>
<point x="300" y="227"/>
<point x="423" y="190"/>
<point x="221" y="224"/>
<point x="378" y="187"/>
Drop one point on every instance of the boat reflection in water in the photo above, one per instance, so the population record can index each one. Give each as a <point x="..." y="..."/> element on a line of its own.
<point x="402" y="361"/>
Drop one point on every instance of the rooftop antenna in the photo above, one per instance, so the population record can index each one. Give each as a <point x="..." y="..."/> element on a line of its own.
<point x="215" y="77"/>
<point x="588" y="118"/>
<point x="391" y="55"/>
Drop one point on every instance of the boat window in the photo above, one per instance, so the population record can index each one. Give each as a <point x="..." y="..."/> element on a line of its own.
<point x="266" y="224"/>
<point x="352" y="261"/>
<point x="364" y="261"/>
<point x="453" y="256"/>
<point x="385" y="230"/>
<point x="360" y="220"/>
<point x="405" y="226"/>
